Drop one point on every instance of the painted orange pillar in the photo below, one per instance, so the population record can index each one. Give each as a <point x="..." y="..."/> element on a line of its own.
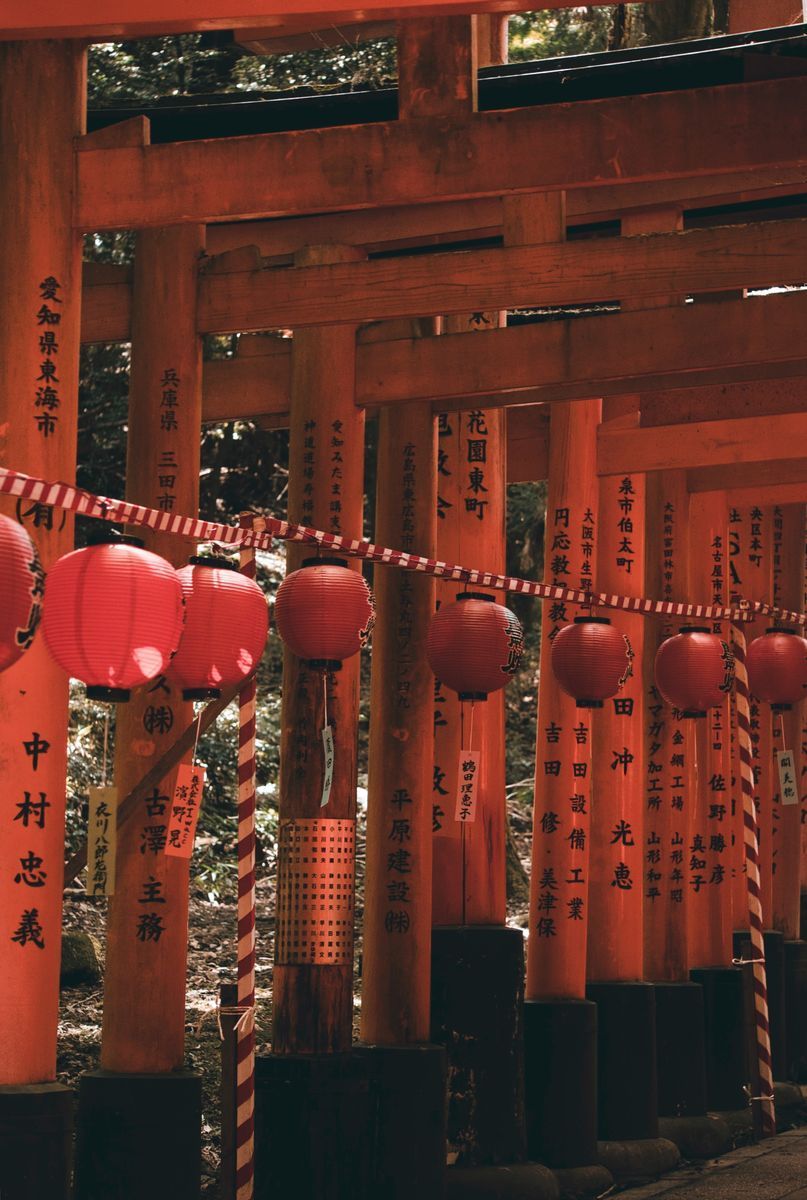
<point x="669" y="749"/>
<point x="713" y="857"/>
<point x="147" y="925"/>
<point x="751" y="562"/>
<point x="313" y="977"/>
<point x="745" y="15"/>
<point x="42" y="99"/>
<point x="398" y="879"/>
<point x="556" y="951"/>
<point x="789" y="528"/>
<point x="615" y="942"/>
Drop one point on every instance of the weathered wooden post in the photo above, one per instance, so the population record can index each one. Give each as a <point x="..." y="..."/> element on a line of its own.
<point x="789" y="533"/>
<point x="310" y="1082"/>
<point x="560" y="1024"/>
<point x="627" y="1079"/>
<point x="407" y="1073"/>
<point x="42" y="100"/>
<point x="143" y="1087"/>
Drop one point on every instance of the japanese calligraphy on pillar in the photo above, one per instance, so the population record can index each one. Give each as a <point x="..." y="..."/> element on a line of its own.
<point x="30" y="865"/>
<point x="47" y="400"/>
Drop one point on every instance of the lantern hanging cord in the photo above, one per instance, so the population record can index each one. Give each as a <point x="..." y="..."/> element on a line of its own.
<point x="63" y="495"/>
<point x="325" y="698"/>
<point x="106" y="747"/>
<point x="462" y="823"/>
<point x="196" y="738"/>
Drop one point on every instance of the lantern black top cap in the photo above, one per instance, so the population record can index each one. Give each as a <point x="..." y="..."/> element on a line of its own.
<point x="212" y="560"/>
<point x="107" y="536"/>
<point x="694" y="629"/>
<point x="324" y="562"/>
<point x="781" y="629"/>
<point x="476" y="596"/>
<point x="589" y="620"/>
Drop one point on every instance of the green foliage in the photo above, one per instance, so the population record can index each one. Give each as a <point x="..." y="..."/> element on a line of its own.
<point x="535" y="35"/>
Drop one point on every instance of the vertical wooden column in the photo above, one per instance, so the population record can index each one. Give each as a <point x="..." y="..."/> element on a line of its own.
<point x="788" y="585"/>
<point x="615" y="943"/>
<point x="42" y="97"/>
<point x="144" y="1027"/>
<point x="437" y="76"/>
<point x="42" y="105"/>
<point x="556" y="952"/>
<point x="714" y="857"/>
<point x="669" y="748"/>
<point x="398" y="880"/>
<point x="313" y="982"/>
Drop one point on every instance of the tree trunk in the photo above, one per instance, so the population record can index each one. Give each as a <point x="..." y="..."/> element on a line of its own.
<point x="664" y="21"/>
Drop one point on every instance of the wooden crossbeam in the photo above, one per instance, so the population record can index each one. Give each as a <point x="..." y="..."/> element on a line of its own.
<point x="703" y="260"/>
<point x="704" y="131"/>
<point x="723" y="258"/>
<point x="646" y="352"/>
<point x="458" y="220"/>
<point x="734" y="477"/>
<point x="94" y="20"/>
<point x="773" y="440"/>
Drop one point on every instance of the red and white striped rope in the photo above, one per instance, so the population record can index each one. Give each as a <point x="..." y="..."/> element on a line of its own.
<point x="763" y="1084"/>
<point x="62" y="495"/>
<point x="245" y="1044"/>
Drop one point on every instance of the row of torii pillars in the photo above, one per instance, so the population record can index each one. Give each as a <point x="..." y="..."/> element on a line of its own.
<point x="622" y="821"/>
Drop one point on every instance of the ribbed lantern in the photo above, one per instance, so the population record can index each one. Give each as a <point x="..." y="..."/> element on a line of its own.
<point x="591" y="660"/>
<point x="777" y="668"/>
<point x="694" y="670"/>
<point x="226" y="622"/>
<point x="474" y="645"/>
<point x="22" y="582"/>
<point x="324" y="612"/>
<point x="112" y="615"/>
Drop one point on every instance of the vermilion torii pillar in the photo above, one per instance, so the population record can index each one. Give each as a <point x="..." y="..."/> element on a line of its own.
<point x="42" y="102"/>
<point x="396" y="974"/>
<point x="313" y="973"/>
<point x="142" y="1076"/>
<point x="560" y="1025"/>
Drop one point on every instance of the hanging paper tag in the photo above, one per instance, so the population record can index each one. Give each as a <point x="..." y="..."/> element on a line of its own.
<point x="467" y="783"/>
<point x="788" y="791"/>
<point x="102" y="841"/>
<point x="185" y="810"/>
<point x="327" y="778"/>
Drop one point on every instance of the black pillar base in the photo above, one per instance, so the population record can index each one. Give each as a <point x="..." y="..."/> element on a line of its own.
<point x="122" y="1120"/>
<point x="408" y="1120"/>
<point x="796" y="1010"/>
<point x="560" y="1069"/>
<point x="36" y="1141"/>
<point x="775" y="972"/>
<point x="312" y="1116"/>
<point x="725" y="1010"/>
<point x="680" y="1050"/>
<point x="476" y="1013"/>
<point x="627" y="1093"/>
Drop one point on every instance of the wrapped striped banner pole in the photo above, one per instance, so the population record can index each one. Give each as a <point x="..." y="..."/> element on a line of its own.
<point x="762" y="1099"/>
<point x="245" y="1027"/>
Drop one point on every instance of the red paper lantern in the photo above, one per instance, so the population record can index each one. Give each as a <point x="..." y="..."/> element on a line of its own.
<point x="777" y="668"/>
<point x="694" y="670"/>
<point x="474" y="645"/>
<point x="113" y="615"/>
<point x="21" y="588"/>
<point x="226" y="622"/>
<point x="324" y="612"/>
<point x="591" y="660"/>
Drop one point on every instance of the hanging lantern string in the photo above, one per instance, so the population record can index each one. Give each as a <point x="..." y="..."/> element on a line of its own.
<point x="106" y="747"/>
<point x="462" y="823"/>
<point x="63" y="495"/>
<point x="196" y="738"/>
<point x="325" y="698"/>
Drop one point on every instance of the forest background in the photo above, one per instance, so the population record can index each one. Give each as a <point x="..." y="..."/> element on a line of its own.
<point x="245" y="466"/>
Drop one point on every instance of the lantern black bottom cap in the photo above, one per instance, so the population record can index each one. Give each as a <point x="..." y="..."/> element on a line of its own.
<point x="589" y="703"/>
<point x="693" y="712"/>
<point x="324" y="664"/>
<point x="473" y="695"/>
<point x="108" y="695"/>
<point x="201" y="693"/>
<point x="781" y="707"/>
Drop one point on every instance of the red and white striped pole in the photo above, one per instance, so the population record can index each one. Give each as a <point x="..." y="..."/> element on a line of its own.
<point x="245" y="1028"/>
<point x="763" y="1083"/>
